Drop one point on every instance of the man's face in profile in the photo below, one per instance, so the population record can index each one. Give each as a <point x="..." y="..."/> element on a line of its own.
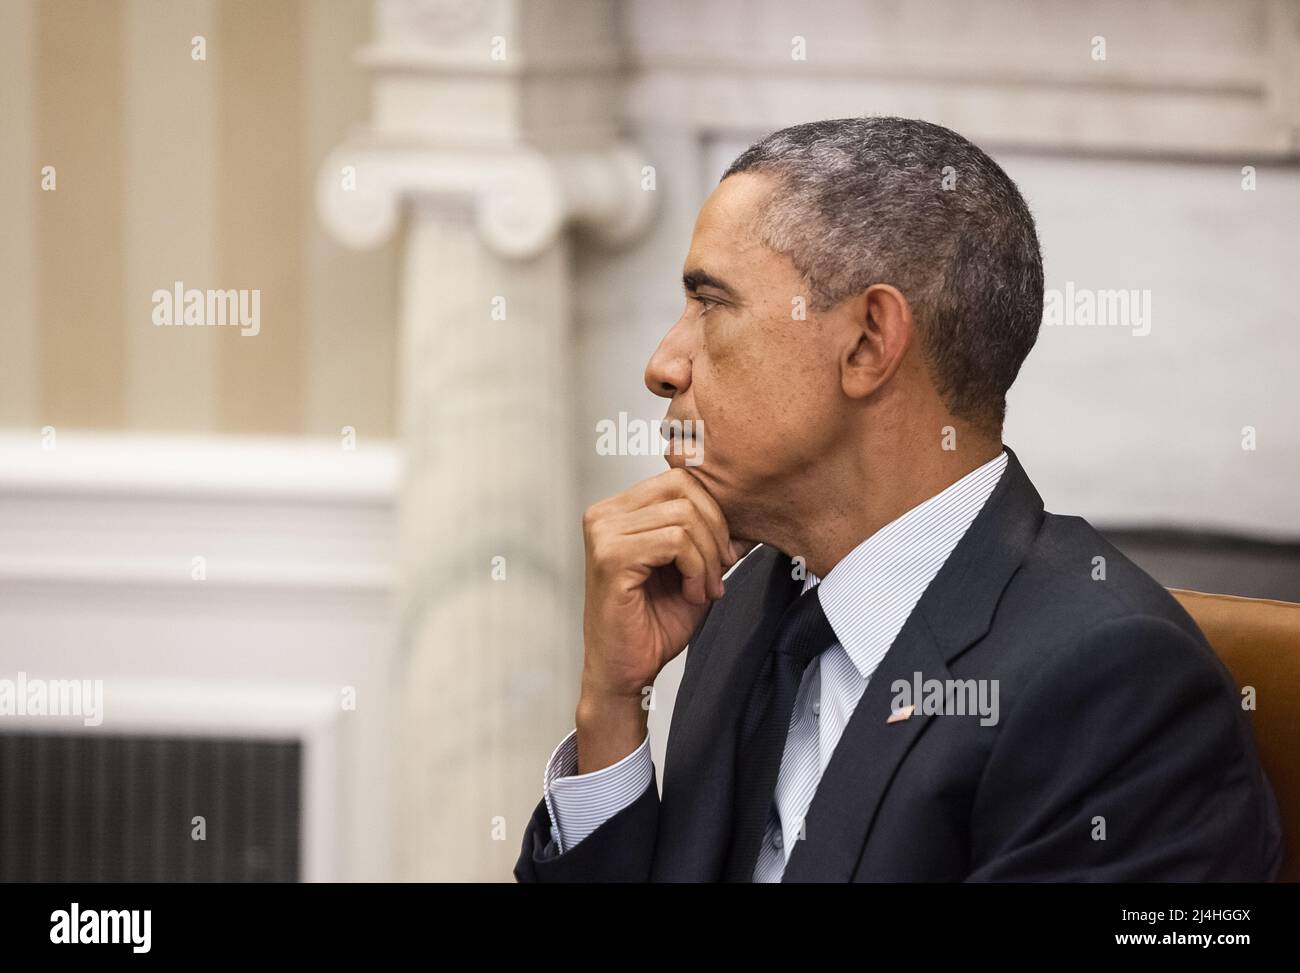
<point x="749" y="359"/>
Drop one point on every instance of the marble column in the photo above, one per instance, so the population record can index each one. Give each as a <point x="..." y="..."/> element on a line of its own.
<point x="492" y="140"/>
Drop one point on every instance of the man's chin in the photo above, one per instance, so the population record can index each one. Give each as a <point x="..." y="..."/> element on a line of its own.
<point x="683" y="460"/>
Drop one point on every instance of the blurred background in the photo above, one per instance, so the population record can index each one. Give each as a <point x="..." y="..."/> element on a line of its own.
<point x="317" y="314"/>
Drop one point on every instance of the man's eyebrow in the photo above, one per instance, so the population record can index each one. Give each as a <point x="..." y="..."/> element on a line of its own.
<point x="693" y="280"/>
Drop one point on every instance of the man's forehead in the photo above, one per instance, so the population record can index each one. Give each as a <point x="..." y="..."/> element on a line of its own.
<point x="734" y="202"/>
<point x="724" y="229"/>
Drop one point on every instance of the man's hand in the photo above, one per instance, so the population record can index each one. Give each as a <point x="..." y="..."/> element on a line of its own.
<point x="656" y="554"/>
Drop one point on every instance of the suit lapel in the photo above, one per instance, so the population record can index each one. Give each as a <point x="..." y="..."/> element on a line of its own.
<point x="954" y="612"/>
<point x="870" y="750"/>
<point x="696" y="807"/>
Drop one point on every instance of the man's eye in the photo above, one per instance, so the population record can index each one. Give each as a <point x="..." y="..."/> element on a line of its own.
<point x="704" y="302"/>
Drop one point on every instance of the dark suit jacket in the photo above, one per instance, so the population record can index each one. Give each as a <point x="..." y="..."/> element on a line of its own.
<point x="1114" y="713"/>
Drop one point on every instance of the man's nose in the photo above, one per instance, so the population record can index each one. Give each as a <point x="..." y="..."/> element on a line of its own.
<point x="669" y="370"/>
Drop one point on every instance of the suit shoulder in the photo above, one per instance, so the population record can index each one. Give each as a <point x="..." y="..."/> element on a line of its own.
<point x="1079" y="580"/>
<point x="1076" y="600"/>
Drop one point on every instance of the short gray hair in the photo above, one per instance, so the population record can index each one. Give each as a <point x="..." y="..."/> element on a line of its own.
<point x="862" y="201"/>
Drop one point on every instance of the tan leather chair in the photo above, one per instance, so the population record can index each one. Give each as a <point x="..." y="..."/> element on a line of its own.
<point x="1259" y="641"/>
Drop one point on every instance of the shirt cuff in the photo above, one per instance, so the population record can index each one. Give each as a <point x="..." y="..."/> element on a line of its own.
<point x="581" y="803"/>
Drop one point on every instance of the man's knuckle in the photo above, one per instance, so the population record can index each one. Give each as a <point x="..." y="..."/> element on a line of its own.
<point x="601" y="551"/>
<point x="680" y="508"/>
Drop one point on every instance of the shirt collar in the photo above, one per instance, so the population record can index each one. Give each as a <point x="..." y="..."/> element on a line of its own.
<point x="870" y="593"/>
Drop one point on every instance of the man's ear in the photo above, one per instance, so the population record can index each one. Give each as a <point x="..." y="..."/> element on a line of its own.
<point x="881" y="334"/>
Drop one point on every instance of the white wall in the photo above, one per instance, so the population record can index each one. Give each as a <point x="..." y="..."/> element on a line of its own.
<point x="1147" y="431"/>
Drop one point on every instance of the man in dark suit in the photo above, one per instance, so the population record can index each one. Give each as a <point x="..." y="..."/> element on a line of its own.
<point x="912" y="672"/>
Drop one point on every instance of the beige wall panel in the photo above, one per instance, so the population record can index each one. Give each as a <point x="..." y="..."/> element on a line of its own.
<point x="79" y="227"/>
<point x="19" y="188"/>
<point x="171" y="213"/>
<point x="350" y="299"/>
<point x="262" y="204"/>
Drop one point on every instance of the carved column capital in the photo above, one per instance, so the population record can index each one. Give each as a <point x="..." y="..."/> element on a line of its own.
<point x="521" y="198"/>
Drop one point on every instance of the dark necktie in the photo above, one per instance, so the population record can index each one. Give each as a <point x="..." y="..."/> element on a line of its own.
<point x="802" y="634"/>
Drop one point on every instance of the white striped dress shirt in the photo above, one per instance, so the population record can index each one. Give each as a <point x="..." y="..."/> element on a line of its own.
<point x="867" y="598"/>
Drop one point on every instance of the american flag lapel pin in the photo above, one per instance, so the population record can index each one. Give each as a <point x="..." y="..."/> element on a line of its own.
<point x="898" y="715"/>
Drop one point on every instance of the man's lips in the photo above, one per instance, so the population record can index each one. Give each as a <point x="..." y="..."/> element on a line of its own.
<point x="671" y="428"/>
<point x="684" y="441"/>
